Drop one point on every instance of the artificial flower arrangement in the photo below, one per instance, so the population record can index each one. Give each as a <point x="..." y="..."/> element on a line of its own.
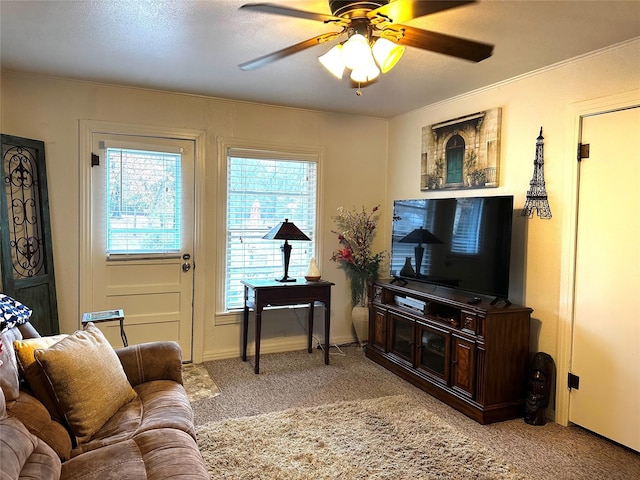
<point x="356" y="230"/>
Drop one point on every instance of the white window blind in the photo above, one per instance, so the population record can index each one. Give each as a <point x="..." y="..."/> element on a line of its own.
<point x="466" y="226"/>
<point x="263" y="189"/>
<point x="143" y="201"/>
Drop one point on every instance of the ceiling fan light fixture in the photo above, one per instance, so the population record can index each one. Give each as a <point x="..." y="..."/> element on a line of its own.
<point x="387" y="53"/>
<point x="332" y="61"/>
<point x="375" y="34"/>
<point x="356" y="52"/>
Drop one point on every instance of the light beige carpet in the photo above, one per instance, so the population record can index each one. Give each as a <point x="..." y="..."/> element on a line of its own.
<point x="389" y="438"/>
<point x="198" y="383"/>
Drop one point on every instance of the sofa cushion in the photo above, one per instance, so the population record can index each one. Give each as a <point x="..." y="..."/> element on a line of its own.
<point x="9" y="379"/>
<point x="33" y="374"/>
<point x="87" y="379"/>
<point x="23" y="455"/>
<point x="36" y="418"/>
<point x="171" y="454"/>
<point x="160" y="404"/>
<point x="117" y="461"/>
<point x="158" y="454"/>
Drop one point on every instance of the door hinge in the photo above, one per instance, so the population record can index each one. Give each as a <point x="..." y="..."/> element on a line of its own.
<point x="583" y="151"/>
<point x="95" y="160"/>
<point x="573" y="381"/>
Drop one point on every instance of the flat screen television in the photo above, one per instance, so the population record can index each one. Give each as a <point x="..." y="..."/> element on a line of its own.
<point x="461" y="243"/>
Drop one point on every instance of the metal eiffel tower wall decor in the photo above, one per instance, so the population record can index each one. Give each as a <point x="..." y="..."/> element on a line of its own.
<point x="537" y="194"/>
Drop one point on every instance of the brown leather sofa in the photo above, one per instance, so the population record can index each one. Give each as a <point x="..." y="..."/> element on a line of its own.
<point x="150" y="437"/>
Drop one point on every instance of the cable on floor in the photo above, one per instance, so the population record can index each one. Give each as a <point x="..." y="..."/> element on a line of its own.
<point x="317" y="340"/>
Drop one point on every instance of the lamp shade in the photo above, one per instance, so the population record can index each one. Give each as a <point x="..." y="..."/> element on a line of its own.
<point x="332" y="61"/>
<point x="286" y="231"/>
<point x="386" y="53"/>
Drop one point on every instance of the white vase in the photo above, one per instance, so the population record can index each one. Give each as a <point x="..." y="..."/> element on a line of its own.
<point x="360" y="321"/>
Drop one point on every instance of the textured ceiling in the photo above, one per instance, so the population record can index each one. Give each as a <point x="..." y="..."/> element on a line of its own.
<point x="196" y="46"/>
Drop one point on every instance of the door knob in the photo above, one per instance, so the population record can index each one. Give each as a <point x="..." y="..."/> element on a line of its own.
<point x="186" y="267"/>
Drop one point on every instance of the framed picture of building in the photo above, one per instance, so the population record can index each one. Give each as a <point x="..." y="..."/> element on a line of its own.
<point x="462" y="153"/>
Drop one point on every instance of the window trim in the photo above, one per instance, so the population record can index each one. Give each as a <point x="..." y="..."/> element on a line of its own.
<point x="269" y="150"/>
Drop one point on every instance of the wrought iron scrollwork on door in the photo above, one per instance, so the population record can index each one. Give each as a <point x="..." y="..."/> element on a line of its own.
<point x="25" y="223"/>
<point x="26" y="251"/>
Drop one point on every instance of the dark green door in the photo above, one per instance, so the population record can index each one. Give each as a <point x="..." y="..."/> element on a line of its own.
<point x="26" y="255"/>
<point x="455" y="152"/>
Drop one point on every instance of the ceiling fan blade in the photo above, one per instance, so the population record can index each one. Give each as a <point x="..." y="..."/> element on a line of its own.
<point x="292" y="12"/>
<point x="399" y="11"/>
<point x="439" y="42"/>
<point x="285" y="52"/>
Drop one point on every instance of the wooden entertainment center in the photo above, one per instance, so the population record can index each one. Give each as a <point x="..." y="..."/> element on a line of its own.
<point x="456" y="346"/>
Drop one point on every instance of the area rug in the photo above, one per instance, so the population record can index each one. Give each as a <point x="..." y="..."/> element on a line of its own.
<point x="198" y="383"/>
<point x="390" y="438"/>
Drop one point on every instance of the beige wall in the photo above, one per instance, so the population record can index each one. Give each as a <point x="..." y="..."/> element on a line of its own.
<point x="548" y="98"/>
<point x="353" y="174"/>
<point x="384" y="167"/>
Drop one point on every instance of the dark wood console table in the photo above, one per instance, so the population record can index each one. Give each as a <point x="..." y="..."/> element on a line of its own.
<point x="262" y="293"/>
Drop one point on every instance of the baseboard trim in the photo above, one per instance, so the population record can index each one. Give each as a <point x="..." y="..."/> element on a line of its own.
<point x="280" y="345"/>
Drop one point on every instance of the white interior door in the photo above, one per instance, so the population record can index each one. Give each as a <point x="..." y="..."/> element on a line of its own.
<point x="606" y="332"/>
<point x="142" y="237"/>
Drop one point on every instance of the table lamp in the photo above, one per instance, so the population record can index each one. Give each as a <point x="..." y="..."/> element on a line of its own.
<point x="420" y="236"/>
<point x="286" y="231"/>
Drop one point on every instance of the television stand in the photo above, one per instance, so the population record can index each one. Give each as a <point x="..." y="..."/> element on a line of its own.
<point x="474" y="357"/>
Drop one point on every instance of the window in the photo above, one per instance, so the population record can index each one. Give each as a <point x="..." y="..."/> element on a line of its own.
<point x="263" y="189"/>
<point x="143" y="206"/>
<point x="466" y="226"/>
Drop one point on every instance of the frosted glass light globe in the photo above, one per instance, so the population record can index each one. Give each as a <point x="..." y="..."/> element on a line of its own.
<point x="332" y="61"/>
<point x="365" y="74"/>
<point x="387" y="53"/>
<point x="356" y="52"/>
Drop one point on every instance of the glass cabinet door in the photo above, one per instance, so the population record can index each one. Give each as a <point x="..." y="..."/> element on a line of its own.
<point x="401" y="340"/>
<point x="433" y="348"/>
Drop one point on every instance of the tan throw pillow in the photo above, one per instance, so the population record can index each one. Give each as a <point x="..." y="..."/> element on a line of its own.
<point x="33" y="374"/>
<point x="87" y="378"/>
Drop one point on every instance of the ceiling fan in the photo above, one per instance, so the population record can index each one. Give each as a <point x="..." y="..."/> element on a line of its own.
<point x="371" y="25"/>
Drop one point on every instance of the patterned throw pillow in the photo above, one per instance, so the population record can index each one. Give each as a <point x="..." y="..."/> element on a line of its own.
<point x="13" y="313"/>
